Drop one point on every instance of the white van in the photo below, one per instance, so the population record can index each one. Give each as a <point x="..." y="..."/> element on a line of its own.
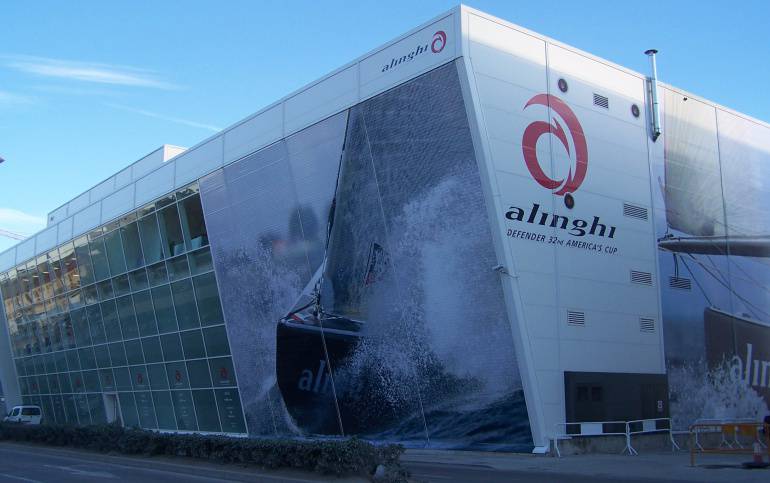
<point x="24" y="414"/>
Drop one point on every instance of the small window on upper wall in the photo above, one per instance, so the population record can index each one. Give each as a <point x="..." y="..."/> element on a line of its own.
<point x="193" y="224"/>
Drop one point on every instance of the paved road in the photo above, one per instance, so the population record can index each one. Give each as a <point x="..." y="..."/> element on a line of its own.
<point x="34" y="464"/>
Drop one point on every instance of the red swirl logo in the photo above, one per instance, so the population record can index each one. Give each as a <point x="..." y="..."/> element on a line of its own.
<point x="575" y="177"/>
<point x="439" y="41"/>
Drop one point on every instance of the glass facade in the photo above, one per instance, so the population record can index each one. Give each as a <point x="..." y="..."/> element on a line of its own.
<point x="125" y="323"/>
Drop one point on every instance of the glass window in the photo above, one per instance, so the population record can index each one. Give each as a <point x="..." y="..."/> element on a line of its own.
<point x="76" y="381"/>
<point x="230" y="413"/>
<point x="70" y="276"/>
<point x="118" y="354"/>
<point x="132" y="246"/>
<point x="104" y="288"/>
<point x="184" y="410"/>
<point x="102" y="354"/>
<point x="188" y="190"/>
<point x="157" y="374"/>
<point x="64" y="383"/>
<point x="157" y="274"/>
<point x="99" y="259"/>
<point x="70" y="409"/>
<point x="164" y="309"/>
<point x="200" y="261"/>
<point x="164" y="410"/>
<point x="96" y="405"/>
<point x="61" y="362"/>
<point x="184" y="303"/>
<point x="75" y="300"/>
<point x="87" y="358"/>
<point x="216" y="341"/>
<point x="192" y="343"/>
<point x="150" y="236"/>
<point x="80" y="327"/>
<point x="82" y="408"/>
<point x="107" y="380"/>
<point x="172" y="348"/>
<point x="72" y="360"/>
<point x="96" y="324"/>
<point x="178" y="268"/>
<point x="91" y="381"/>
<point x="177" y="375"/>
<point x="171" y="231"/>
<point x="145" y="315"/>
<point x="206" y="410"/>
<point x="53" y="384"/>
<point x="198" y="372"/>
<point x="58" y="409"/>
<point x="209" y="305"/>
<point x="127" y="317"/>
<point x="120" y="285"/>
<point x="114" y="249"/>
<point x="85" y="269"/>
<point x="128" y="410"/>
<point x="111" y="321"/>
<point x="139" y="378"/>
<point x="152" y="350"/>
<point x="146" y="410"/>
<point x="122" y="378"/>
<point x="222" y="372"/>
<point x="134" y="352"/>
<point x="193" y="223"/>
<point x="90" y="295"/>
<point x="138" y="279"/>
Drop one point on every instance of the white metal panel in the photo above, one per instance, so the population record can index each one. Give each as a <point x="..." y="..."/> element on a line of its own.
<point x="57" y="215"/>
<point x="103" y="189"/>
<point x="25" y="250"/>
<point x="46" y="239"/>
<point x="253" y="134"/>
<point x="321" y="100"/>
<point x="78" y="203"/>
<point x="123" y="178"/>
<point x="429" y="47"/>
<point x="155" y="184"/>
<point x="8" y="259"/>
<point x="86" y="219"/>
<point x="65" y="230"/>
<point x="147" y="164"/>
<point x="117" y="203"/>
<point x="198" y="162"/>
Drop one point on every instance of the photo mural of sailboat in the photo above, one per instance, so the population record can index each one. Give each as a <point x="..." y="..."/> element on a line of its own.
<point x="719" y="249"/>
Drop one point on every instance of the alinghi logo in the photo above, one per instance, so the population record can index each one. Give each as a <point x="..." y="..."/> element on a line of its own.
<point x="436" y="45"/>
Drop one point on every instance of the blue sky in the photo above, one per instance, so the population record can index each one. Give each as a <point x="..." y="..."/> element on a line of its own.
<point x="88" y="87"/>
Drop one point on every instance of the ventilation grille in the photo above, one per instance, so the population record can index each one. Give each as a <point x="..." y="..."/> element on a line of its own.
<point x="576" y="318"/>
<point x="646" y="324"/>
<point x="680" y="283"/>
<point x="601" y="101"/>
<point x="645" y="278"/>
<point x="633" y="211"/>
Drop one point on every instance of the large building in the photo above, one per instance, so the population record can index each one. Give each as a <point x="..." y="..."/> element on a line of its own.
<point x="463" y="239"/>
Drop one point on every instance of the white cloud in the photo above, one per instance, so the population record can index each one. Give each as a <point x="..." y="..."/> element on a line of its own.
<point x="20" y="222"/>
<point x="87" y="71"/>
<point x="155" y="115"/>
<point x="7" y="98"/>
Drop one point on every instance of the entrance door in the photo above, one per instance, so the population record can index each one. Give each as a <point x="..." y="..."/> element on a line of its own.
<point x="112" y="408"/>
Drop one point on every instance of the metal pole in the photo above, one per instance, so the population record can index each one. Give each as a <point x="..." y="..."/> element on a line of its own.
<point x="653" y="82"/>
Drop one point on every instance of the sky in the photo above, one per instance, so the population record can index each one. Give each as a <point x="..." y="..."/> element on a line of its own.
<point x="88" y="87"/>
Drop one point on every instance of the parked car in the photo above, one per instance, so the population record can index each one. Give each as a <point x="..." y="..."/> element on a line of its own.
<point x="24" y="414"/>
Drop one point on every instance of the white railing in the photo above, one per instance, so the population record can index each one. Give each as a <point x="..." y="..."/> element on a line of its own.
<point x="597" y="428"/>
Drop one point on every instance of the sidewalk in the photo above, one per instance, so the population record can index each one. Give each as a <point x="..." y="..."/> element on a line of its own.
<point x="658" y="466"/>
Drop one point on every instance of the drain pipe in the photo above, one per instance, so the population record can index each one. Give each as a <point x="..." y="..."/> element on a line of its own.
<point x="653" y="91"/>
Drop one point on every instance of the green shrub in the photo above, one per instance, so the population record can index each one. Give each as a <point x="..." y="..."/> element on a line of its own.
<point x="339" y="457"/>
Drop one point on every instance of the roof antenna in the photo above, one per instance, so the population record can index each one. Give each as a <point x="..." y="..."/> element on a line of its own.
<point x="652" y="86"/>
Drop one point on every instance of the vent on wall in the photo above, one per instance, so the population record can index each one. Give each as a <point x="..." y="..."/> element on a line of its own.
<point x="680" y="283"/>
<point x="601" y="101"/>
<point x="633" y="211"/>
<point x="644" y="278"/>
<point x="646" y="324"/>
<point x="576" y="318"/>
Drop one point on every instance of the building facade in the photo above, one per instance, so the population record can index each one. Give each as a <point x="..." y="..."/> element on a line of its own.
<point x="463" y="239"/>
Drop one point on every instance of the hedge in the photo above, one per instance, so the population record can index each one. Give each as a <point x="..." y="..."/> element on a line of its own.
<point x="339" y="457"/>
